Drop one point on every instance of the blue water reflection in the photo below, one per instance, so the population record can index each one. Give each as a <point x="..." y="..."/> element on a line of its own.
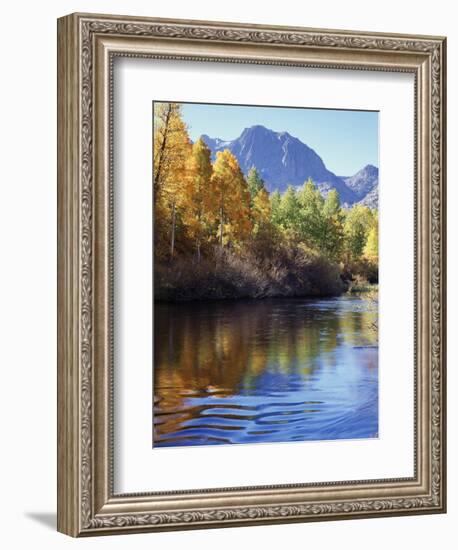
<point x="265" y="371"/>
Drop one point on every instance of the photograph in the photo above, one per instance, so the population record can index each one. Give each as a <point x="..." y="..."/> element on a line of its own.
<point x="265" y="236"/>
<point x="251" y="275"/>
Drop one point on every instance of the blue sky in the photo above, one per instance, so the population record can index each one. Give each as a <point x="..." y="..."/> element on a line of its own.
<point x="345" y="140"/>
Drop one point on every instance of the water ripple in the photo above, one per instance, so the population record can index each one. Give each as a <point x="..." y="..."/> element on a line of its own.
<point x="271" y="371"/>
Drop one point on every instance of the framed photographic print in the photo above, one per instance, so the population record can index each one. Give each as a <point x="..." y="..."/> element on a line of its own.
<point x="251" y="274"/>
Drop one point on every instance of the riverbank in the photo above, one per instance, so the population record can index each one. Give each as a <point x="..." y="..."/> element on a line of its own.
<point x="230" y="276"/>
<point x="362" y="287"/>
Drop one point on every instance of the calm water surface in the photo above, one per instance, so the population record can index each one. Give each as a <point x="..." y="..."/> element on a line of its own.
<point x="265" y="371"/>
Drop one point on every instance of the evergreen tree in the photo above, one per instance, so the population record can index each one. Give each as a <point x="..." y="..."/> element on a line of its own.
<point x="275" y="208"/>
<point x="255" y="183"/>
<point x="290" y="211"/>
<point x="333" y="235"/>
<point x="313" y="226"/>
<point x="357" y="224"/>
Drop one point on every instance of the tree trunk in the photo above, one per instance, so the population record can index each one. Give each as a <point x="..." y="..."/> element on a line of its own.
<point x="158" y="172"/>
<point x="221" y="227"/>
<point x="172" y="239"/>
<point x="198" y="240"/>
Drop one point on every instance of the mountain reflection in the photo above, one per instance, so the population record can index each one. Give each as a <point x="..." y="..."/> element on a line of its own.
<point x="297" y="369"/>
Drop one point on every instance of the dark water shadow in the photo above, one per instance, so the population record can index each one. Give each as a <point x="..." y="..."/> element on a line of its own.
<point x="48" y="519"/>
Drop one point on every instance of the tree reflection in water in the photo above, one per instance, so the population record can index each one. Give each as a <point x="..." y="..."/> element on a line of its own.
<point x="265" y="371"/>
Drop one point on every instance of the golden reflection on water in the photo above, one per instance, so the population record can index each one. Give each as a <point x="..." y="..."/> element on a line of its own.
<point x="241" y="348"/>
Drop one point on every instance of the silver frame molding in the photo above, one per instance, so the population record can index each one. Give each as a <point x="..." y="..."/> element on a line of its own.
<point x="87" y="45"/>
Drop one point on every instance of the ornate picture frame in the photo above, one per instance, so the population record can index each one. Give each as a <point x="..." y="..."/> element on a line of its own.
<point x="87" y="46"/>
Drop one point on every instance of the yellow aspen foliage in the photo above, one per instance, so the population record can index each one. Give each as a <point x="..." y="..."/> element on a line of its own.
<point x="232" y="200"/>
<point x="172" y="145"/>
<point x="197" y="200"/>
<point x="172" y="148"/>
<point x="371" y="248"/>
<point x="261" y="211"/>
